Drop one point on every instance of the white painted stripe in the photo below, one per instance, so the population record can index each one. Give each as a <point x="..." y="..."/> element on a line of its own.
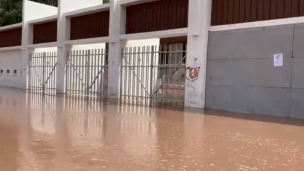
<point x="40" y="45"/>
<point x="43" y="20"/>
<point x="89" y="10"/>
<point x="10" y="48"/>
<point x="133" y="2"/>
<point x="10" y="26"/>
<point x="87" y="41"/>
<point x="155" y="34"/>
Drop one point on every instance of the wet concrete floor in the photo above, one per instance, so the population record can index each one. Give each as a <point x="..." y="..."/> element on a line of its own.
<point x="59" y="134"/>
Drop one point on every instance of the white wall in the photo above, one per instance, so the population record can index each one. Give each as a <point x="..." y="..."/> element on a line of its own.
<point x="31" y="11"/>
<point x="10" y="60"/>
<point x="71" y="5"/>
<point x="143" y="42"/>
<point x="89" y="46"/>
<point x="199" y="20"/>
<point x="46" y="49"/>
<point x="65" y="6"/>
<point x="197" y="35"/>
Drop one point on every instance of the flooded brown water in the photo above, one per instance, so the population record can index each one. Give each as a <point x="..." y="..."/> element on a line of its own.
<point x="59" y="134"/>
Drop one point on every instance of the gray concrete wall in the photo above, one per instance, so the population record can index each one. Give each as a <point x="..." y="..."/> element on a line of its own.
<point x="241" y="76"/>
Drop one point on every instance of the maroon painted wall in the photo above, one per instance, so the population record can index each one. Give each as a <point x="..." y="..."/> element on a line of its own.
<point x="90" y="25"/>
<point x="241" y="11"/>
<point x="156" y="16"/>
<point x="11" y="37"/>
<point x="45" y="32"/>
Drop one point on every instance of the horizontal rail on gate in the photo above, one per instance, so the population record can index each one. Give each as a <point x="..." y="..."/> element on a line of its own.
<point x="36" y="87"/>
<point x="137" y="96"/>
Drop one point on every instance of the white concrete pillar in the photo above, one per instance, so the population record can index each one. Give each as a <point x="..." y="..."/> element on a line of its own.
<point x="27" y="38"/>
<point x="62" y="54"/>
<point x="117" y="27"/>
<point x="199" y="20"/>
<point x="62" y="51"/>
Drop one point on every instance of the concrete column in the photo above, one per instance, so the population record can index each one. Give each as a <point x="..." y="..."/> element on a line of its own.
<point x="117" y="27"/>
<point x="198" y="24"/>
<point x="27" y="38"/>
<point x="62" y="51"/>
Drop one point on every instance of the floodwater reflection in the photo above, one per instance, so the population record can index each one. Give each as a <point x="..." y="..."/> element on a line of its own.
<point x="55" y="133"/>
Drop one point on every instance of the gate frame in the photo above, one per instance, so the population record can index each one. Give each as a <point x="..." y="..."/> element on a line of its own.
<point x="127" y="67"/>
<point x="44" y="81"/>
<point x="102" y="72"/>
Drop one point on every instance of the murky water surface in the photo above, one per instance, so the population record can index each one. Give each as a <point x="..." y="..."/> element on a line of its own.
<point x="58" y="134"/>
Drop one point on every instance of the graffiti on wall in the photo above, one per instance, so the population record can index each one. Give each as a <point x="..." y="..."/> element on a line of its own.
<point x="192" y="74"/>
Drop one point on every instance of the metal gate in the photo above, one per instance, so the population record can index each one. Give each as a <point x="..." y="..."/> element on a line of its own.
<point x="87" y="73"/>
<point x="154" y="75"/>
<point x="42" y="75"/>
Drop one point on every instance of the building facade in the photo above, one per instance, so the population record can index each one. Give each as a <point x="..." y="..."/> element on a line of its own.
<point x="217" y="54"/>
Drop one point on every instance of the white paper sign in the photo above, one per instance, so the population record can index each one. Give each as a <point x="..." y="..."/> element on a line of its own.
<point x="278" y="60"/>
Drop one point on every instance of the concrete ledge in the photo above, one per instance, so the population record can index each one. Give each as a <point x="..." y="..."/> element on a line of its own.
<point x="87" y="41"/>
<point x="9" y="27"/>
<point x="41" y="45"/>
<point x="155" y="34"/>
<point x="88" y="10"/>
<point x="133" y="2"/>
<point x="43" y="20"/>
<point x="11" y="48"/>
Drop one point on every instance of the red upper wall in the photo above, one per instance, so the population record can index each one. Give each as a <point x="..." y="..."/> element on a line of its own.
<point x="12" y="37"/>
<point x="156" y="16"/>
<point x="45" y="32"/>
<point x="90" y="25"/>
<point x="160" y="15"/>
<point x="241" y="11"/>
